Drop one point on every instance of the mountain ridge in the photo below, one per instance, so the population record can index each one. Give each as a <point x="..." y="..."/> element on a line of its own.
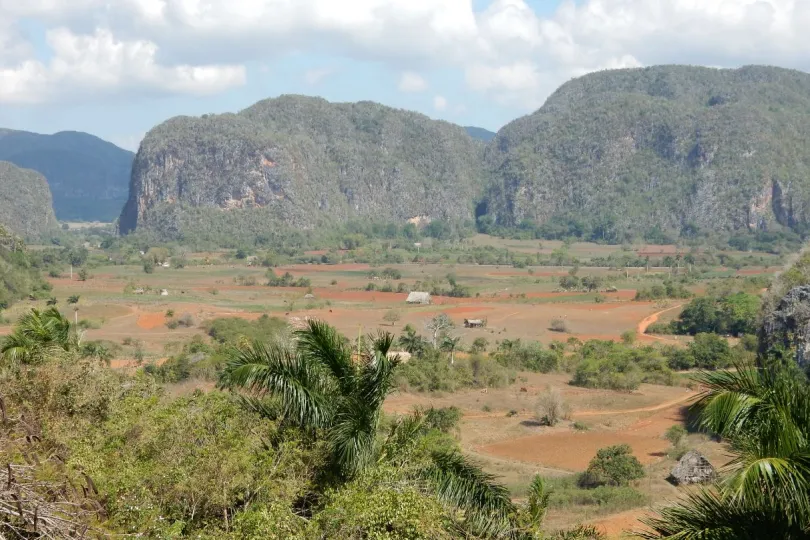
<point x="306" y="162"/>
<point x="88" y="176"/>
<point x="653" y="153"/>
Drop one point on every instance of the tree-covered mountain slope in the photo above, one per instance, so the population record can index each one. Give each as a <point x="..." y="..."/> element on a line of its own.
<point x="88" y="177"/>
<point x="303" y="162"/>
<point x="26" y="206"/>
<point x="678" y="149"/>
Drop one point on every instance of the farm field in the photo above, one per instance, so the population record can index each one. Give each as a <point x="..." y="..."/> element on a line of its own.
<point x="123" y="304"/>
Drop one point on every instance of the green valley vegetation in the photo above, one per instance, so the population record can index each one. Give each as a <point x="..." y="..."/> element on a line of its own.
<point x="26" y="206"/>
<point x="298" y="449"/>
<point x="20" y="276"/>
<point x="88" y="177"/>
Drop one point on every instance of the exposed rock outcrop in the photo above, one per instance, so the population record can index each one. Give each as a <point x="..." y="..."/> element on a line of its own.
<point x="787" y="326"/>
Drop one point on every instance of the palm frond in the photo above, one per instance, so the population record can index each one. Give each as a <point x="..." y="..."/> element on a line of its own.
<point x="402" y="436"/>
<point x="486" y="504"/>
<point x="272" y="369"/>
<point x="321" y="343"/>
<point x="376" y="379"/>
<point x="708" y="515"/>
<point x="353" y="435"/>
<point x="539" y="496"/>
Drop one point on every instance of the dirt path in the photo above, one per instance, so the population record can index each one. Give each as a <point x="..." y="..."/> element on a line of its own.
<point x="652" y="408"/>
<point x="576" y="414"/>
<point x="641" y="329"/>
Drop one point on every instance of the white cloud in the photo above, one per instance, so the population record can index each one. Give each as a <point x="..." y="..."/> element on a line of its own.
<point x="99" y="64"/>
<point x="412" y="82"/>
<point x="316" y="76"/>
<point x="440" y="103"/>
<point x="505" y="51"/>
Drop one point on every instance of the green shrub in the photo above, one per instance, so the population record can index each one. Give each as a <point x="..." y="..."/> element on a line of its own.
<point x="614" y="465"/>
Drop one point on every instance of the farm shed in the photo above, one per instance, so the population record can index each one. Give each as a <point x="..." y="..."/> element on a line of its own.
<point x="692" y="468"/>
<point x="418" y="298"/>
<point x="474" y="323"/>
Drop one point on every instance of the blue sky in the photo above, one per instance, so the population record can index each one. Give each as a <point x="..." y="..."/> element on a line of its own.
<point x="118" y="69"/>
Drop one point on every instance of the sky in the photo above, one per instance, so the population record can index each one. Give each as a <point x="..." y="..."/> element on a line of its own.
<point x="117" y="68"/>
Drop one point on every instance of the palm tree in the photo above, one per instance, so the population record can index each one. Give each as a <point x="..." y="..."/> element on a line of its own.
<point x="320" y="389"/>
<point x="39" y="334"/>
<point x="449" y="344"/>
<point x="765" y="417"/>
<point x="412" y="342"/>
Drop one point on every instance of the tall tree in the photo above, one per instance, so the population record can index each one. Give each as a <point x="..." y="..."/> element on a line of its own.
<point x="322" y="390"/>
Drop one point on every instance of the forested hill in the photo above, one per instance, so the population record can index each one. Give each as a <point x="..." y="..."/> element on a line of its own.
<point x="88" y="177"/>
<point x="303" y="162"/>
<point x="670" y="149"/>
<point x="654" y="154"/>
<point x="26" y="206"/>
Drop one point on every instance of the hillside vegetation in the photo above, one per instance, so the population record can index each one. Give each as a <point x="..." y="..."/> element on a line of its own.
<point x="88" y="177"/>
<point x="669" y="150"/>
<point x="652" y="154"/>
<point x="304" y="162"/>
<point x="25" y="201"/>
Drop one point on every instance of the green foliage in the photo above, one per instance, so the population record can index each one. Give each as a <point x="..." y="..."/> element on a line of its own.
<point x="19" y="278"/>
<point x="606" y="364"/>
<point x="614" y="465"/>
<point x="663" y="292"/>
<point x="26" y="203"/>
<point x="734" y="314"/>
<point x="286" y="280"/>
<point x="380" y="506"/>
<point x="431" y="372"/>
<point x="710" y="351"/>
<point x="676" y="434"/>
<point x="234" y="329"/>
<point x="39" y="336"/>
<point x="532" y="356"/>
<point x="146" y="459"/>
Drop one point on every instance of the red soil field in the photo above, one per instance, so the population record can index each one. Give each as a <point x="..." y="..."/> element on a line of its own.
<point x="573" y="451"/>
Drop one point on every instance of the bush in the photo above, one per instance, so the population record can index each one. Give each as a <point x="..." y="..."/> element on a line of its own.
<point x="675" y="435"/>
<point x="551" y="407"/>
<point x="444" y="419"/>
<point x="614" y="465"/>
<point x="558" y="325"/>
<point x="629" y="337"/>
<point x="710" y="352"/>
<point x="531" y="356"/>
<point x="479" y="345"/>
<point x="579" y="426"/>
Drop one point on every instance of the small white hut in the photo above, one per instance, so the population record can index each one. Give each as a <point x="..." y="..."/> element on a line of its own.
<point x="418" y="298"/>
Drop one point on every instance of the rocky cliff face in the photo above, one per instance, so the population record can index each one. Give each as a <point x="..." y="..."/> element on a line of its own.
<point x="304" y="162"/>
<point x="681" y="149"/>
<point x="26" y="206"/>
